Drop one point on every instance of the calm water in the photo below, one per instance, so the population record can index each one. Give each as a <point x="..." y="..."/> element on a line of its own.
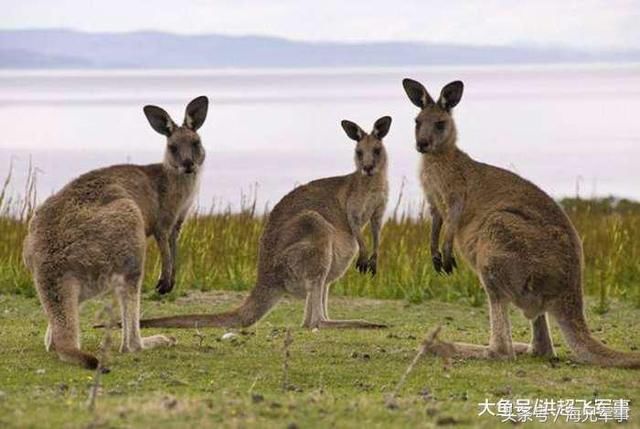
<point x="568" y="129"/>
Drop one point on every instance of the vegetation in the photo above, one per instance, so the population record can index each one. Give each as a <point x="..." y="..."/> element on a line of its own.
<point x="218" y="250"/>
<point x="334" y="378"/>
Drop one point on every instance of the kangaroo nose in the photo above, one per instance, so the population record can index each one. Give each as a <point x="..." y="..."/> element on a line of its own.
<point x="368" y="169"/>
<point x="188" y="165"/>
<point x="422" y="145"/>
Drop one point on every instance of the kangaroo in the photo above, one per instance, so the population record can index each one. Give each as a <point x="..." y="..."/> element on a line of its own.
<point x="516" y="238"/>
<point x="90" y="237"/>
<point x="310" y="239"/>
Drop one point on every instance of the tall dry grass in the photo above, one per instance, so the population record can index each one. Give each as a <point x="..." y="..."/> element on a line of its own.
<point x="218" y="250"/>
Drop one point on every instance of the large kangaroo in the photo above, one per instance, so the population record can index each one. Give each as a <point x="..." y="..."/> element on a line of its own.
<point x="91" y="236"/>
<point x="514" y="236"/>
<point x="310" y="239"/>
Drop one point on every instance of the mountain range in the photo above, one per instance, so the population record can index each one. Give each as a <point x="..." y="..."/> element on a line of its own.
<point x="52" y="48"/>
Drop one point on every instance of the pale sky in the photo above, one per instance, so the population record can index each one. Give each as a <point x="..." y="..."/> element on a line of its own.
<point x="585" y="24"/>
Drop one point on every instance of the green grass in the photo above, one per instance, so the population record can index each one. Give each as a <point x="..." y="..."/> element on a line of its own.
<point x="219" y="251"/>
<point x="338" y="378"/>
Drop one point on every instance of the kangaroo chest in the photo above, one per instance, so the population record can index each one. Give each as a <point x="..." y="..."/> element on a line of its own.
<point x="362" y="209"/>
<point x="436" y="182"/>
<point x="176" y="202"/>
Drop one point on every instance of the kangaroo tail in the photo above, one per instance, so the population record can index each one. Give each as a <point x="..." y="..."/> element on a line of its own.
<point x="255" y="306"/>
<point x="586" y="348"/>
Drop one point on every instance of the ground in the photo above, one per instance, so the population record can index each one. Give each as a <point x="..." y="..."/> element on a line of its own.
<point x="336" y="378"/>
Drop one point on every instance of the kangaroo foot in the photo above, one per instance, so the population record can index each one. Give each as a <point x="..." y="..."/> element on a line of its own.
<point x="150" y="342"/>
<point x="164" y="286"/>
<point x="446" y="349"/>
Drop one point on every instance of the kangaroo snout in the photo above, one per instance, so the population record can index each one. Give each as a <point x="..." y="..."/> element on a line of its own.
<point x="368" y="169"/>
<point x="189" y="166"/>
<point x="422" y="145"/>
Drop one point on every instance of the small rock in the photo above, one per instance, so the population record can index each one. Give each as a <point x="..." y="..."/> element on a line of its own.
<point x="229" y="336"/>
<point x="40" y="371"/>
<point x="391" y="404"/>
<point x="425" y="393"/>
<point x="256" y="398"/>
<point x="521" y="373"/>
<point x="292" y="425"/>
<point x="566" y="379"/>
<point x="169" y="402"/>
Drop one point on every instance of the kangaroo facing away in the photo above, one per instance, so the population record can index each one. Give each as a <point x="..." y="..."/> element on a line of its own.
<point x="516" y="238"/>
<point x="310" y="239"/>
<point x="90" y="237"/>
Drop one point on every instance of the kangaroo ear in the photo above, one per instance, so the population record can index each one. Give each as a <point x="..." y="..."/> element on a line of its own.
<point x="353" y="130"/>
<point x="450" y="95"/>
<point x="159" y="120"/>
<point x="381" y="127"/>
<point x="196" y="113"/>
<point x="417" y="93"/>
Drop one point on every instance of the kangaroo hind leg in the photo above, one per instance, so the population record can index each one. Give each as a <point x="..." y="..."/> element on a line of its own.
<point x="326" y="322"/>
<point x="60" y="302"/>
<point x="541" y="343"/>
<point x="127" y="290"/>
<point x="500" y="345"/>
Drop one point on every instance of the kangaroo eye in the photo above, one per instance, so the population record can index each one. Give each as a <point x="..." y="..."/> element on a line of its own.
<point x="441" y="125"/>
<point x="173" y="149"/>
<point x="195" y="144"/>
<point x="376" y="151"/>
<point x="359" y="153"/>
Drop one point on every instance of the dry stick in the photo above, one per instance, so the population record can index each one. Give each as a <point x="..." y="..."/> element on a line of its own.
<point x="428" y="341"/>
<point x="397" y="207"/>
<point x="199" y="335"/>
<point x="103" y="353"/>
<point x="285" y="364"/>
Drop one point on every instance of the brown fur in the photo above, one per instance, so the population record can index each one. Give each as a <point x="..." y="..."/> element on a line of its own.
<point x="310" y="239"/>
<point x="513" y="235"/>
<point x="90" y="237"/>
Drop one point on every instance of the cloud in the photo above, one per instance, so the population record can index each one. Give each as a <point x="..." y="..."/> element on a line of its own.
<point x="587" y="23"/>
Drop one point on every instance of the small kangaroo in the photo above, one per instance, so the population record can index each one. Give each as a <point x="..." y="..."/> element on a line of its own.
<point x="310" y="239"/>
<point x="519" y="242"/>
<point x="90" y="237"/>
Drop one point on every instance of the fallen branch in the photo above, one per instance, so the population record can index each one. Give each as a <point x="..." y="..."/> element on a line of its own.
<point x="424" y="347"/>
<point x="103" y="353"/>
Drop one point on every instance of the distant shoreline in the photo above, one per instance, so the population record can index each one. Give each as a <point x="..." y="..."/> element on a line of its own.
<point x="306" y="70"/>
